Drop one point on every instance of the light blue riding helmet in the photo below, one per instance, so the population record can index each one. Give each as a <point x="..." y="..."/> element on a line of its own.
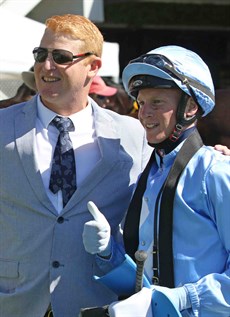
<point x="173" y="63"/>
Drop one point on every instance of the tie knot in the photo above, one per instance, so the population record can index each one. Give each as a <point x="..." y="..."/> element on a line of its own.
<point x="63" y="124"/>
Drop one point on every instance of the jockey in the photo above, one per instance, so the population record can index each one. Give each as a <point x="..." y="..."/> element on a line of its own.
<point x="177" y="68"/>
<point x="179" y="213"/>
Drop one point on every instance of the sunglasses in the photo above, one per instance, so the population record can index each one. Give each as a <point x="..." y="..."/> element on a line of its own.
<point x="167" y="66"/>
<point x="59" y="56"/>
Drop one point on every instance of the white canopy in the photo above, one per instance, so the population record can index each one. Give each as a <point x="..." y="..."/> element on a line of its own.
<point x="19" y="35"/>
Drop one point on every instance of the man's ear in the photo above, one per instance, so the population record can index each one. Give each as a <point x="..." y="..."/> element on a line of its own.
<point x="191" y="108"/>
<point x="95" y="65"/>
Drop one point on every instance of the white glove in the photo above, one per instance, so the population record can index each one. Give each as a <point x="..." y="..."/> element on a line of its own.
<point x="138" y="305"/>
<point x="178" y="296"/>
<point x="96" y="233"/>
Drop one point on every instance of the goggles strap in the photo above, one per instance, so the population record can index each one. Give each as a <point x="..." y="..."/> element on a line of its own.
<point x="181" y="121"/>
<point x="172" y="141"/>
<point x="187" y="81"/>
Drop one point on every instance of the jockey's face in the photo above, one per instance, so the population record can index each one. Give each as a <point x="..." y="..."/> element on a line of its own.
<point x="157" y="112"/>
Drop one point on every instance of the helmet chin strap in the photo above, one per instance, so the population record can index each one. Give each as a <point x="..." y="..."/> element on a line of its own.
<point x="177" y="135"/>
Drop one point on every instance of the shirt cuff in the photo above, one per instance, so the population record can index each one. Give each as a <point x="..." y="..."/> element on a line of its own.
<point x="116" y="258"/>
<point x="194" y="299"/>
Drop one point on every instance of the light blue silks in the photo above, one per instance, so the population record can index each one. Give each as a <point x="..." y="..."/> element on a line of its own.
<point x="122" y="279"/>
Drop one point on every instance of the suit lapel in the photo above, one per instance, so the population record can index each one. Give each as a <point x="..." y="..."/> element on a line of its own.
<point x="108" y="140"/>
<point x="25" y="140"/>
<point x="109" y="144"/>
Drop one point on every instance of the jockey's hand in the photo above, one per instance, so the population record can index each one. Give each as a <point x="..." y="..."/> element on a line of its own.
<point x="223" y="149"/>
<point x="96" y="234"/>
<point x="138" y="304"/>
<point x="178" y="296"/>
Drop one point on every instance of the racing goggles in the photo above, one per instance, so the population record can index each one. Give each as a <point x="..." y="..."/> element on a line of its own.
<point x="167" y="66"/>
<point x="59" y="56"/>
<point x="156" y="60"/>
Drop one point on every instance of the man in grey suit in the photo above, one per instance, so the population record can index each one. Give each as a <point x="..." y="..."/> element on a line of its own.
<point x="44" y="269"/>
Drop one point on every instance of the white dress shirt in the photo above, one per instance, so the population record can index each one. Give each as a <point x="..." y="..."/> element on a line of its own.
<point x="84" y="141"/>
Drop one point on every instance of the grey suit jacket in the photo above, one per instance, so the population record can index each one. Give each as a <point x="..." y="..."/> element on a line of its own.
<point x="42" y="257"/>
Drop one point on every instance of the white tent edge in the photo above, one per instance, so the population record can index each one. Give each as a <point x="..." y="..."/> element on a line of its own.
<point x="23" y="34"/>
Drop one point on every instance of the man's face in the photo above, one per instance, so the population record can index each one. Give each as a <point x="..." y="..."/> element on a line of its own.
<point x="157" y="112"/>
<point x="61" y="84"/>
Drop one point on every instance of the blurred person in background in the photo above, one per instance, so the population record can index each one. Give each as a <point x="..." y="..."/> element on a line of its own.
<point x="24" y="92"/>
<point x="102" y="93"/>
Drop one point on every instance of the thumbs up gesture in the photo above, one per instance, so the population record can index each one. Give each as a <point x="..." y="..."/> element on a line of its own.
<point x="96" y="233"/>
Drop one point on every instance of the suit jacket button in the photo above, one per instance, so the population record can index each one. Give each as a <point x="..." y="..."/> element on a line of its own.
<point x="60" y="219"/>
<point x="55" y="264"/>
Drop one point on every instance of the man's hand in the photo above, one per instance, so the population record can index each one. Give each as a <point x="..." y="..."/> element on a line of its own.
<point x="222" y="148"/>
<point x="96" y="233"/>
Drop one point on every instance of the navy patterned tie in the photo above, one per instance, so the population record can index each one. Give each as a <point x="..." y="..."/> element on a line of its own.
<point x="63" y="173"/>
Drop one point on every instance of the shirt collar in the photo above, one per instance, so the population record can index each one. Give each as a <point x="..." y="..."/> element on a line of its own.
<point x="168" y="159"/>
<point x="80" y="119"/>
